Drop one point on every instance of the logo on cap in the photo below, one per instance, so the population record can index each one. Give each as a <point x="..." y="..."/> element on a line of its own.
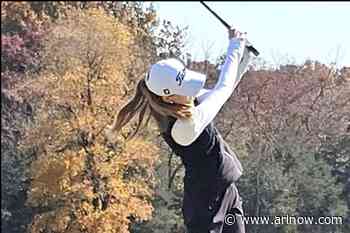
<point x="180" y="76"/>
<point x="166" y="91"/>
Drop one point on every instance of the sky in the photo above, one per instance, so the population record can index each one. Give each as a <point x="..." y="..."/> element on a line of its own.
<point x="283" y="32"/>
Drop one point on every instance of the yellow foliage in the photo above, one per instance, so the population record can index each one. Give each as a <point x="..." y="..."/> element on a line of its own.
<point x="86" y="185"/>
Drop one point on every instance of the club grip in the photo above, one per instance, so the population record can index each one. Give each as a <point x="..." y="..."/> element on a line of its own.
<point x="253" y="50"/>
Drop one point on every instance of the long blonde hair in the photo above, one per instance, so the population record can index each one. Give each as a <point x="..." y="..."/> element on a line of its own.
<point x="142" y="101"/>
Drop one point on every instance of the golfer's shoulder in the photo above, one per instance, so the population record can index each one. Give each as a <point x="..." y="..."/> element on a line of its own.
<point x="186" y="131"/>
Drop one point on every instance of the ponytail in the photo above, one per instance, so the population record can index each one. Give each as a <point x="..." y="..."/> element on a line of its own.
<point x="145" y="101"/>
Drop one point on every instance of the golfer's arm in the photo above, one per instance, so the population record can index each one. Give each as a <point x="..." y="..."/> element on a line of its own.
<point x="228" y="77"/>
<point x="184" y="132"/>
<point x="242" y="68"/>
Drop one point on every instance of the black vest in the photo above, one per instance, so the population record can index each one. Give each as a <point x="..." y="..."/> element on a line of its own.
<point x="209" y="162"/>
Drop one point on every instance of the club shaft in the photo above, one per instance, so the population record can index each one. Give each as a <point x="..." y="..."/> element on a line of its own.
<point x="250" y="47"/>
<point x="216" y="15"/>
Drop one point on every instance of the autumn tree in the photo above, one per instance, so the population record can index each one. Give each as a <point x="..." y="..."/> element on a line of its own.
<point x="79" y="182"/>
<point x="19" y="17"/>
<point x="21" y="35"/>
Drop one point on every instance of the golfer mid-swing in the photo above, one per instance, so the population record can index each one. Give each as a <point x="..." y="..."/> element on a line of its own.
<point x="184" y="111"/>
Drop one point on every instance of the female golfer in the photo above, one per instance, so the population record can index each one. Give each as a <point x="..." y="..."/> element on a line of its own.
<point x="184" y="111"/>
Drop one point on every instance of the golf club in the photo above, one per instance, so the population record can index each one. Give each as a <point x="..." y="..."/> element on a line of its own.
<point x="249" y="46"/>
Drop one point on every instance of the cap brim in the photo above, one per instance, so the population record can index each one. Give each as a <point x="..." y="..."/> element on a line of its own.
<point x="193" y="82"/>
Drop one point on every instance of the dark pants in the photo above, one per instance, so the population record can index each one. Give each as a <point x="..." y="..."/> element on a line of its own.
<point x="218" y="213"/>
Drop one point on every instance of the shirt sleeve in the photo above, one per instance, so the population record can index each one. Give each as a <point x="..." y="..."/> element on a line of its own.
<point x="186" y="131"/>
<point x="203" y="94"/>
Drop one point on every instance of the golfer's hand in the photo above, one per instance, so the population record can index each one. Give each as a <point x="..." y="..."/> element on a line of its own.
<point x="234" y="33"/>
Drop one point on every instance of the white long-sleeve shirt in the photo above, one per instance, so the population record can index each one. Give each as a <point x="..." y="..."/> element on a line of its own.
<point x="186" y="131"/>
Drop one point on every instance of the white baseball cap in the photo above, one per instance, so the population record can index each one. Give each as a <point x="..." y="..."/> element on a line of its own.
<point x="170" y="76"/>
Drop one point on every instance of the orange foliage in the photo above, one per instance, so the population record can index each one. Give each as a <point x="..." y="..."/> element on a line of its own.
<point x="79" y="183"/>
